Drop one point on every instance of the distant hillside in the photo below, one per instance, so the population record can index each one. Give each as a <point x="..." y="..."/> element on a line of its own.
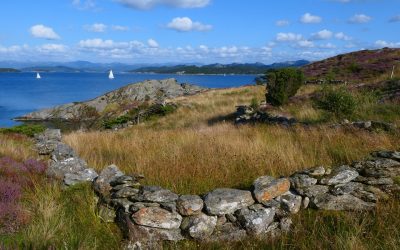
<point x="360" y="66"/>
<point x="8" y="70"/>
<point x="235" y="68"/>
<point x="51" y="69"/>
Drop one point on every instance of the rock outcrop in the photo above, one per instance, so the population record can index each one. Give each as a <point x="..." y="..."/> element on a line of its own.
<point x="150" y="90"/>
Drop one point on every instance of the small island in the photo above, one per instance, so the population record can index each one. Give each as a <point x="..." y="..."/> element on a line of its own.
<point x="9" y="70"/>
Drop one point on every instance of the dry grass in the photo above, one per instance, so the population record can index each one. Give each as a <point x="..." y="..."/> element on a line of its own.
<point x="18" y="147"/>
<point x="189" y="153"/>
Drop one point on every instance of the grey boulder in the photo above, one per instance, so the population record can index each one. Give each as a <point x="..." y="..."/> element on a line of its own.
<point x="226" y="201"/>
<point x="157" y="217"/>
<point x="199" y="226"/>
<point x="189" y="204"/>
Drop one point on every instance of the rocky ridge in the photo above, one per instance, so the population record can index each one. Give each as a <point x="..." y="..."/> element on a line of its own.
<point x="149" y="215"/>
<point x="150" y="90"/>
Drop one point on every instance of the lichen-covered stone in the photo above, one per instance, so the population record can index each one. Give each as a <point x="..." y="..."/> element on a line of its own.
<point x="199" y="226"/>
<point x="227" y="201"/>
<point x="290" y="202"/>
<point x="86" y="175"/>
<point x="157" y="217"/>
<point x="346" y="202"/>
<point x="125" y="192"/>
<point x="266" y="188"/>
<point x="302" y="180"/>
<point x="379" y="168"/>
<point x="255" y="220"/>
<point x="341" y="175"/>
<point x="102" y="183"/>
<point x="315" y="172"/>
<point x="156" y="194"/>
<point x="189" y="204"/>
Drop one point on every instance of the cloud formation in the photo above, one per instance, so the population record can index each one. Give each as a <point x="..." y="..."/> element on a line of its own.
<point x="185" y="24"/>
<point x="282" y="23"/>
<point x="96" y="27"/>
<point x="395" y="19"/>
<point x="308" y="18"/>
<point x="360" y="18"/>
<point x="84" y="4"/>
<point x="152" y="43"/>
<point x="288" y="37"/>
<point x="149" y="4"/>
<point x="322" y="35"/>
<point x="41" y="31"/>
<point x="382" y="43"/>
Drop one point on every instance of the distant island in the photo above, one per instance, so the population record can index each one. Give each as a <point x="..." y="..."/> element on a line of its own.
<point x="9" y="70"/>
<point x="234" y="68"/>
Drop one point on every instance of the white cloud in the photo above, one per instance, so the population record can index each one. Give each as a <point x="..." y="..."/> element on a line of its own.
<point x="308" y="18"/>
<point x="288" y="37"/>
<point x="148" y="4"/>
<point x="84" y="5"/>
<point x="328" y="46"/>
<point x="41" y="31"/>
<point x="185" y="24"/>
<point x="382" y="43"/>
<point x="282" y="23"/>
<point x="119" y="28"/>
<point x="152" y="43"/>
<point x="50" y="48"/>
<point x="322" y="35"/>
<point x="360" y="18"/>
<point x="395" y="19"/>
<point x="97" y="27"/>
<point x="305" y="44"/>
<point x="342" y="36"/>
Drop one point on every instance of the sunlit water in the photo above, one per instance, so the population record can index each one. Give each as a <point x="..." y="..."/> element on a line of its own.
<point x="21" y="93"/>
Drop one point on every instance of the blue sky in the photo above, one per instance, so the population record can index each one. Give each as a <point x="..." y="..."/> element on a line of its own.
<point x="204" y="31"/>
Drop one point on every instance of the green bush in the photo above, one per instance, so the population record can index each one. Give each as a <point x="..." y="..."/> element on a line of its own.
<point x="283" y="84"/>
<point x="337" y="101"/>
<point x="26" y="129"/>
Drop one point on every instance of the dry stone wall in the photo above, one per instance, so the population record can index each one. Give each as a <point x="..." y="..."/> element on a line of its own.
<point x="149" y="215"/>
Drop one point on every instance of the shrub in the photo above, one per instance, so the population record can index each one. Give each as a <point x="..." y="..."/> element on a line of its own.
<point x="283" y="84"/>
<point x="254" y="103"/>
<point x="337" y="101"/>
<point x="26" y="129"/>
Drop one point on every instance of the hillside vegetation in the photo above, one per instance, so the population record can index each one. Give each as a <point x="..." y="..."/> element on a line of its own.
<point x="356" y="67"/>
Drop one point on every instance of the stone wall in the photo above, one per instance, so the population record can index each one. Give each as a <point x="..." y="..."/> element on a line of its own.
<point x="149" y="215"/>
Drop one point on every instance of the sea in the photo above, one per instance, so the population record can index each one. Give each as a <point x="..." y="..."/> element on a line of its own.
<point x="21" y="93"/>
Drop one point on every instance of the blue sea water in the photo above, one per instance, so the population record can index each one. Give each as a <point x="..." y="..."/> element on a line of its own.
<point x="21" y="93"/>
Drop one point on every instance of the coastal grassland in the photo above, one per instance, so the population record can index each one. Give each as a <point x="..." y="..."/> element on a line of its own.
<point x="41" y="215"/>
<point x="197" y="148"/>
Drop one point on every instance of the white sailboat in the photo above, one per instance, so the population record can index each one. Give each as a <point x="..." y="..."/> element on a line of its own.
<point x="38" y="76"/>
<point x="111" y="75"/>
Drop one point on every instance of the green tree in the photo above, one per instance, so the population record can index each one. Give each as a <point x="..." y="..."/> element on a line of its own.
<point x="283" y="84"/>
<point x="337" y="101"/>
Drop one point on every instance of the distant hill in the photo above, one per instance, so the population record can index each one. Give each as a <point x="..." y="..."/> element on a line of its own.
<point x="234" y="68"/>
<point x="8" y="70"/>
<point x="51" y="69"/>
<point x="359" y="66"/>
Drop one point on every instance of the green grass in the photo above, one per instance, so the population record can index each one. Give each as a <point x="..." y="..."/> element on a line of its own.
<point x="26" y="129"/>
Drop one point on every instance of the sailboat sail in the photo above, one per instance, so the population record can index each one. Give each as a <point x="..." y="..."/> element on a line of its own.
<point x="38" y="76"/>
<point x="111" y="75"/>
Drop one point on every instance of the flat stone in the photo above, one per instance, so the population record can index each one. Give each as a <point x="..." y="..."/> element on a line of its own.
<point x="157" y="217"/>
<point x="189" y="204"/>
<point x="380" y="168"/>
<point x="62" y="151"/>
<point x="136" y="206"/>
<point x="125" y="192"/>
<point x="123" y="179"/>
<point x="346" y="202"/>
<point x="131" y="185"/>
<point x="375" y="181"/>
<point x="266" y="188"/>
<point x="86" y="175"/>
<point x="255" y="221"/>
<point x="313" y="191"/>
<point x="394" y="155"/>
<point x="340" y="175"/>
<point x="156" y="194"/>
<point x="122" y="203"/>
<point x="227" y="201"/>
<point x="346" y="188"/>
<point x="199" y="226"/>
<point x="305" y="202"/>
<point x="58" y="169"/>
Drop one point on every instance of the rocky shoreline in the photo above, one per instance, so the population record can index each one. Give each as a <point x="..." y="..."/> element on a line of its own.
<point x="149" y="215"/>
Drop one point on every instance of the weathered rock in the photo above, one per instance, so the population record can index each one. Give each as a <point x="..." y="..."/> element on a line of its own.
<point x="341" y="175"/>
<point x="375" y="181"/>
<point x="122" y="203"/>
<point x="170" y="206"/>
<point x="315" y="172"/>
<point x="273" y="230"/>
<point x="305" y="202"/>
<point x="199" y="226"/>
<point x="131" y="185"/>
<point x="102" y="183"/>
<point x="346" y="188"/>
<point x="346" y="202"/>
<point x="58" y="169"/>
<point x="299" y="181"/>
<point x="285" y="224"/>
<point x="189" y="204"/>
<point x="136" y="206"/>
<point x="227" y="201"/>
<point x="157" y="217"/>
<point x="255" y="220"/>
<point x="125" y="192"/>
<point x="123" y="179"/>
<point x="156" y="194"/>
<point x="227" y="233"/>
<point x="266" y="188"/>
<point x="290" y="202"/>
<point x="47" y="141"/>
<point x="86" y="175"/>
<point x="394" y="155"/>
<point x="106" y="214"/>
<point x="62" y="152"/>
<point x="313" y="191"/>
<point x="380" y="168"/>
